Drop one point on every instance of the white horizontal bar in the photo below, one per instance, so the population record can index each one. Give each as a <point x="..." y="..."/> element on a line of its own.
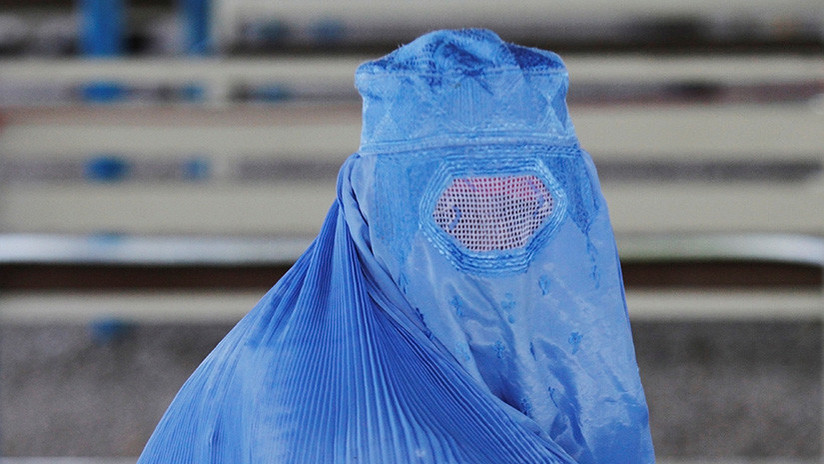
<point x="725" y="304"/>
<point x="740" y="131"/>
<point x="771" y="69"/>
<point x="210" y="250"/>
<point x="728" y="207"/>
<point x="219" y="70"/>
<point x="116" y="249"/>
<point x="133" y="306"/>
<point x="80" y="307"/>
<point x="339" y="70"/>
<point x="802" y="249"/>
<point x="330" y="132"/>
<point x="257" y="209"/>
<point x="471" y="12"/>
<point x="298" y="208"/>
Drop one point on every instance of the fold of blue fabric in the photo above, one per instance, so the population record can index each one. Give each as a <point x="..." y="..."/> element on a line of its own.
<point x="462" y="302"/>
<point x="321" y="372"/>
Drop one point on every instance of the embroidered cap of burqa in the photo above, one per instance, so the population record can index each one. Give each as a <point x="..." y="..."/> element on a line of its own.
<point x="462" y="302"/>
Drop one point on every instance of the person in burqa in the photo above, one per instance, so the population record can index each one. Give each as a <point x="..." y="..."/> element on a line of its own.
<point x="462" y="303"/>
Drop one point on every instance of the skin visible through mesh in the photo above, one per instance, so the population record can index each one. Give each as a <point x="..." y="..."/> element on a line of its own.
<point x="493" y="213"/>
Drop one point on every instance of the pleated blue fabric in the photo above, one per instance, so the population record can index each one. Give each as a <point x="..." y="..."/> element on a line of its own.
<point x="462" y="303"/>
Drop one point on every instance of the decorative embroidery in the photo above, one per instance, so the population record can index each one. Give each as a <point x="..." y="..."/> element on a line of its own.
<point x="575" y="340"/>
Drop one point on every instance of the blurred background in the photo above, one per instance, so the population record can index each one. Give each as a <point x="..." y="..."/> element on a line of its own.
<point x="163" y="162"/>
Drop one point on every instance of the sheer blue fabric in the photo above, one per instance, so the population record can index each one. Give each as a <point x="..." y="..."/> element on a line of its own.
<point x="463" y="302"/>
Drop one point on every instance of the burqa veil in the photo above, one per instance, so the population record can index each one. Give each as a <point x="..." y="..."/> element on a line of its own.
<point x="462" y="303"/>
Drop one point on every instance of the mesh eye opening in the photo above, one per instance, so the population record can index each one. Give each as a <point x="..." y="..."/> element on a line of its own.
<point x="493" y="213"/>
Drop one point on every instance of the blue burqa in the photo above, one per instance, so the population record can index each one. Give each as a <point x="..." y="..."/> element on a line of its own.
<point x="462" y="302"/>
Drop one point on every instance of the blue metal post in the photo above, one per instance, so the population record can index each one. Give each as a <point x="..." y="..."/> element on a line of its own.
<point x="101" y="27"/>
<point x="196" y="20"/>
